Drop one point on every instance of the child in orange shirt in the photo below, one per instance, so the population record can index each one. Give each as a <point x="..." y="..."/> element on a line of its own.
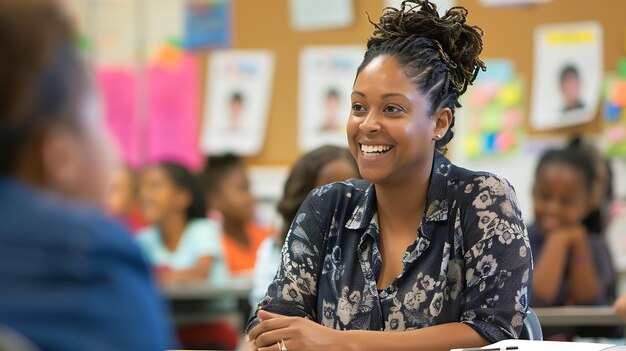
<point x="228" y="193"/>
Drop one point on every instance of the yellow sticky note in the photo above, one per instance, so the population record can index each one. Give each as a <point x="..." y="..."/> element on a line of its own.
<point x="510" y="95"/>
<point x="471" y="146"/>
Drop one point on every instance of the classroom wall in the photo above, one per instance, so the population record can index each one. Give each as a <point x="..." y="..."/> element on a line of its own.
<point x="508" y="34"/>
<point x="263" y="24"/>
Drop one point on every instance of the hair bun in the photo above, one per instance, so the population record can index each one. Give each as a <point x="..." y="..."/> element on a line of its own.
<point x="459" y="44"/>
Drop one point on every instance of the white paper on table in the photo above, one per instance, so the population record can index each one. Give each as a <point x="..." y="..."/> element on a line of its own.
<point x="574" y="46"/>
<point x="238" y="97"/>
<point x="442" y="5"/>
<point x="307" y="15"/>
<point x="326" y="78"/>
<point x="527" y="345"/>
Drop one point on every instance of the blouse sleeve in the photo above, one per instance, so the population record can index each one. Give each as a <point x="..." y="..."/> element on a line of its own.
<point x="293" y="292"/>
<point x="498" y="260"/>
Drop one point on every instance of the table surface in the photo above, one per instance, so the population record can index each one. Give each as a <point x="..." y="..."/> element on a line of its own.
<point x="238" y="288"/>
<point x="578" y="316"/>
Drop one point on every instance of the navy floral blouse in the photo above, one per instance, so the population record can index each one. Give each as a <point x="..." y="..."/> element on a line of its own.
<point x="470" y="263"/>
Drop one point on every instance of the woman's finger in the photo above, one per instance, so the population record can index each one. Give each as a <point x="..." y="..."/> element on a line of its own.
<point x="270" y="338"/>
<point x="268" y="325"/>
<point x="265" y="315"/>
<point x="290" y="345"/>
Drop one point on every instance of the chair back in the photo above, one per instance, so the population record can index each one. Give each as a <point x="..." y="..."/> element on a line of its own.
<point x="531" y="330"/>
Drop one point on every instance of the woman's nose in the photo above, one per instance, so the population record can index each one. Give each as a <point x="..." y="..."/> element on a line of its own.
<point x="370" y="124"/>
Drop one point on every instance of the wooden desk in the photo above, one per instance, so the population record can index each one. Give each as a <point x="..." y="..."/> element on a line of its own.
<point x="579" y="316"/>
<point x="188" y="300"/>
<point x="195" y="292"/>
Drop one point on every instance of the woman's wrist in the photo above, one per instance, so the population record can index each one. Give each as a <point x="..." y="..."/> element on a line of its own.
<point x="345" y="340"/>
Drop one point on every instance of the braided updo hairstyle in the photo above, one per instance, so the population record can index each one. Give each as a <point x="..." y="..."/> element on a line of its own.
<point x="438" y="54"/>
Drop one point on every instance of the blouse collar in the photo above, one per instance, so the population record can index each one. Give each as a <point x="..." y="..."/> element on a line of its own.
<point x="436" y="200"/>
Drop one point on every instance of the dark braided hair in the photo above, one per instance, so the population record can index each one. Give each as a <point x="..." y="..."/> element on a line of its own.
<point x="439" y="54"/>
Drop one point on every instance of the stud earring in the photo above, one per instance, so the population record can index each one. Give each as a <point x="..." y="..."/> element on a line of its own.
<point x="438" y="136"/>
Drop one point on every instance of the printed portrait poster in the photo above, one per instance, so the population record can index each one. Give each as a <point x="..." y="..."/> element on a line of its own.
<point x="326" y="78"/>
<point x="237" y="103"/>
<point x="567" y="78"/>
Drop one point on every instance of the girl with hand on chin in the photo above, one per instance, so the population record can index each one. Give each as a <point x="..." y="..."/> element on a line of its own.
<point x="421" y="254"/>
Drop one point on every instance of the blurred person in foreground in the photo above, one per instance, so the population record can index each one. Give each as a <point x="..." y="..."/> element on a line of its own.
<point x="71" y="279"/>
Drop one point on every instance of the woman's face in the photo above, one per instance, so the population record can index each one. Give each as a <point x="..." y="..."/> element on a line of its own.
<point x="159" y="196"/>
<point x="560" y="197"/>
<point x="389" y="130"/>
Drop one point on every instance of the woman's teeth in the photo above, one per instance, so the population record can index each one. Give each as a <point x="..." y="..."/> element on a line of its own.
<point x="369" y="149"/>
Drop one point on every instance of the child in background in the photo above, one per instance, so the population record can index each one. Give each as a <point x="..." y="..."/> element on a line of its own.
<point x="228" y="193"/>
<point x="572" y="265"/>
<point x="122" y="201"/>
<point x="181" y="243"/>
<point x="324" y="165"/>
<point x="185" y="247"/>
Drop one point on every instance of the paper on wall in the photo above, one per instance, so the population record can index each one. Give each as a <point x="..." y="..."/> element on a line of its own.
<point x="307" y="15"/>
<point x="238" y="98"/>
<point x="567" y="77"/>
<point x="173" y="112"/>
<point x="117" y="87"/>
<point x="326" y="78"/>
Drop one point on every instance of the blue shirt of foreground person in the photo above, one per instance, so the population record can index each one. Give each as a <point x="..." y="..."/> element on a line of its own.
<point x="70" y="279"/>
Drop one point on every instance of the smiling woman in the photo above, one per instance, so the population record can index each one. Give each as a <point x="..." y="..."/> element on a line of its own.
<point x="420" y="246"/>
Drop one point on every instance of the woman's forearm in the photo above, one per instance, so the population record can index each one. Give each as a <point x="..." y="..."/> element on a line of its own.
<point x="439" y="337"/>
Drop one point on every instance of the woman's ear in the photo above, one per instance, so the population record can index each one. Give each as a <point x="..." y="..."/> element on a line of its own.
<point x="443" y="120"/>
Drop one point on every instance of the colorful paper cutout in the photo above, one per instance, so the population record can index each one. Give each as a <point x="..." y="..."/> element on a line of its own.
<point x="615" y="116"/>
<point x="118" y="95"/>
<point x="492" y="118"/>
<point x="207" y="23"/>
<point x="173" y="102"/>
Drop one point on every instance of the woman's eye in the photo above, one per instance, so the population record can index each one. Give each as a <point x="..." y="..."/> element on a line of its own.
<point x="358" y="108"/>
<point x="393" y="109"/>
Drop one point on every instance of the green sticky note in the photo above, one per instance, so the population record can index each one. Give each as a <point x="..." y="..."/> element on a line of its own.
<point x="492" y="119"/>
<point x="83" y="43"/>
<point x="621" y="67"/>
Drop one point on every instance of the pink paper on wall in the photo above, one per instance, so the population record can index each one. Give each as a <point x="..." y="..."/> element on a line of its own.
<point x="117" y="90"/>
<point x="173" y="107"/>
